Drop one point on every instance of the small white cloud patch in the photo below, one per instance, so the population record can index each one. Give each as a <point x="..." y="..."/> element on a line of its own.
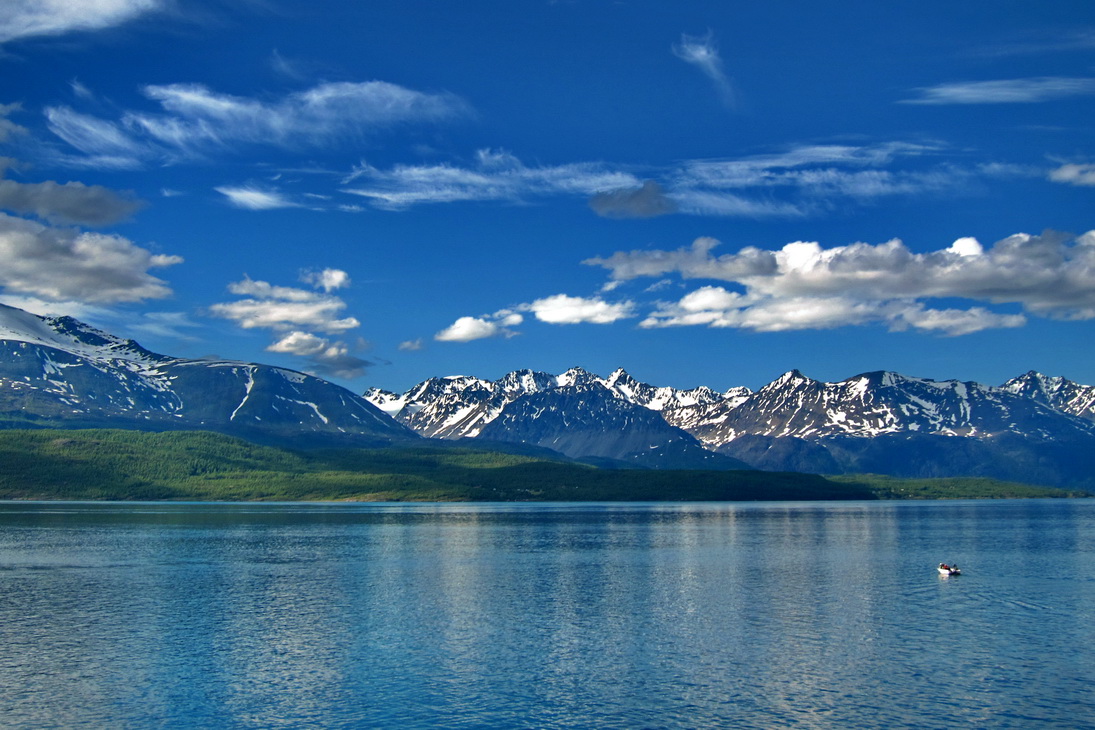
<point x="1074" y="174"/>
<point x="564" y="309"/>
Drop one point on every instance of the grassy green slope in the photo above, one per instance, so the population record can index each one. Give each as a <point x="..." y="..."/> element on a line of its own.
<point x="887" y="487"/>
<point x="132" y="465"/>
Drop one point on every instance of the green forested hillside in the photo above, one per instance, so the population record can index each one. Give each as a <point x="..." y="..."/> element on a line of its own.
<point x="134" y="465"/>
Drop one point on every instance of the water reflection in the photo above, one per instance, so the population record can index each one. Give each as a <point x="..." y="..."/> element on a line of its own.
<point x="809" y="615"/>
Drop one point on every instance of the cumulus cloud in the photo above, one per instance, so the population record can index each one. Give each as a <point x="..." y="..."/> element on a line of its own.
<point x="295" y="315"/>
<point x="411" y="345"/>
<point x="69" y="203"/>
<point x="194" y="120"/>
<point x="284" y="308"/>
<point x="65" y="264"/>
<point x="1074" y="174"/>
<point x="648" y="201"/>
<point x="328" y="279"/>
<point x="564" y="309"/>
<point x="806" y="286"/>
<point x="332" y="358"/>
<point x="495" y="175"/>
<point x="1005" y="91"/>
<point x="717" y="307"/>
<point x="27" y="18"/>
<point x="467" y="329"/>
<point x="701" y="52"/>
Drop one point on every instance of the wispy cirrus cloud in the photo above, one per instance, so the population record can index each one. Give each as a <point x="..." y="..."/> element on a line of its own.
<point x="494" y="176"/>
<point x="195" y="121"/>
<point x="296" y="315"/>
<point x="29" y="18"/>
<point x="255" y="198"/>
<point x="797" y="182"/>
<point x="1005" y="91"/>
<point x="806" y="286"/>
<point x="703" y="53"/>
<point x="1042" y="42"/>
<point x="807" y="179"/>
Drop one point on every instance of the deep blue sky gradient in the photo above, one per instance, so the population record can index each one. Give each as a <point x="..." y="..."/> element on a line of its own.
<point x="566" y="90"/>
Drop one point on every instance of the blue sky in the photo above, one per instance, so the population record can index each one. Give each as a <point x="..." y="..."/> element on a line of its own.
<point x="702" y="193"/>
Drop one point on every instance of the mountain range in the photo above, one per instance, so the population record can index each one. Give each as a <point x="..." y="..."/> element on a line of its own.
<point x="1033" y="428"/>
<point x="58" y="371"/>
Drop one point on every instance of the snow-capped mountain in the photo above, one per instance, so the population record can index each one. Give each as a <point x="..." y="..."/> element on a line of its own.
<point x="459" y="406"/>
<point x="591" y="421"/>
<point x="1056" y="392"/>
<point x="60" y="371"/>
<point x="576" y="413"/>
<point x="1029" y="429"/>
<point x="872" y="404"/>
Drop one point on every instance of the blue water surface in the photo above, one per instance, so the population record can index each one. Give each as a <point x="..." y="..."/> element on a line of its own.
<point x="814" y="615"/>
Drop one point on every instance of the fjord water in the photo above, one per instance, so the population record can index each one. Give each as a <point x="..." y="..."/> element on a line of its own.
<point x="547" y="615"/>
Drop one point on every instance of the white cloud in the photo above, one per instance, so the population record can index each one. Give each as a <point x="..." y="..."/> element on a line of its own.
<point x="806" y="286"/>
<point x="1074" y="174"/>
<point x="466" y="329"/>
<point x="1005" y="91"/>
<point x="411" y="345"/>
<point x="807" y="178"/>
<point x="564" y="309"/>
<point x="27" y="18"/>
<point x="252" y="198"/>
<point x="327" y="279"/>
<point x="954" y="322"/>
<point x="717" y="307"/>
<point x="332" y="358"/>
<point x="284" y="308"/>
<point x="64" y="264"/>
<point x="701" y="52"/>
<point x="103" y="144"/>
<point x="195" y="121"/>
<point x="295" y="315"/>
<point x="495" y="176"/>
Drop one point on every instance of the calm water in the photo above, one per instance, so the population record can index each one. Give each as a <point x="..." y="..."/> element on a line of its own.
<point x="545" y="616"/>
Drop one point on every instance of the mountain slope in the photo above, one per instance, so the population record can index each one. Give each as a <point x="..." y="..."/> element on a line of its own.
<point x="57" y="370"/>
<point x="584" y="421"/>
<point x="1056" y="392"/>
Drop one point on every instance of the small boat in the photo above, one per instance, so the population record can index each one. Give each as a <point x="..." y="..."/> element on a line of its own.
<point x="945" y="569"/>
